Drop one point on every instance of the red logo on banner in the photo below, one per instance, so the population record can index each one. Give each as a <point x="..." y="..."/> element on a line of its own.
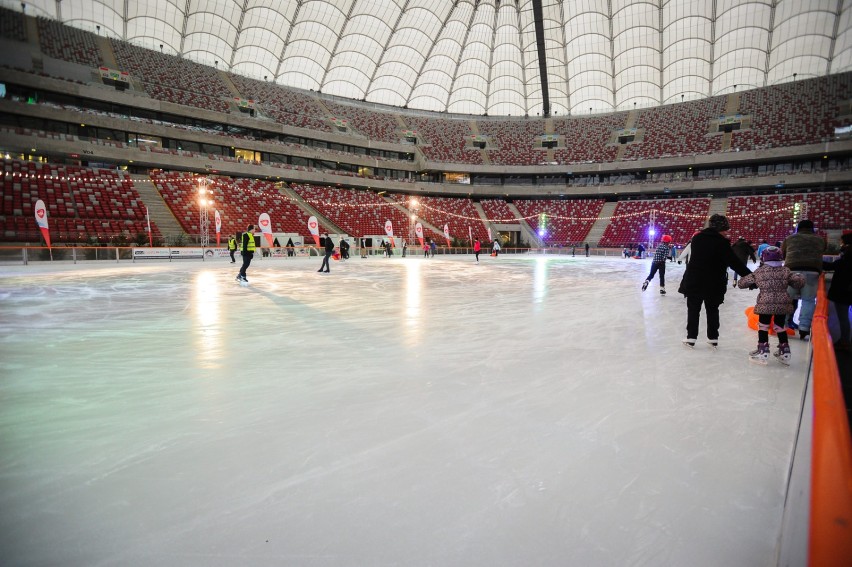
<point x="40" y="213"/>
<point x="264" y="222"/>
<point x="313" y="225"/>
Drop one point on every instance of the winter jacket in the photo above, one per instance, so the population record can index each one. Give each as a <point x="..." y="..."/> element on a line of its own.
<point x="744" y="251"/>
<point x="706" y="273"/>
<point x="772" y="282"/>
<point x="803" y="252"/>
<point x="661" y="253"/>
<point x="841" y="283"/>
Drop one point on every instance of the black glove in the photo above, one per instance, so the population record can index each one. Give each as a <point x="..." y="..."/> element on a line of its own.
<point x="752" y="286"/>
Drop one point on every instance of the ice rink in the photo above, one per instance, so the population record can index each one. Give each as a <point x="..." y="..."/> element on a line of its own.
<point x="526" y="411"/>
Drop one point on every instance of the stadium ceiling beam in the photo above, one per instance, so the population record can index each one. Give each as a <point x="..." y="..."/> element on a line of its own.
<point x="538" y="18"/>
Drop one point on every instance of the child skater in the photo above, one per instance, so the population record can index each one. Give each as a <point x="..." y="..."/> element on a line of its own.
<point x="773" y="302"/>
<point x="659" y="264"/>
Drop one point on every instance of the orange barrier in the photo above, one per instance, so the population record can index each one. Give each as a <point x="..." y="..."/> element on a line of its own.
<point x="831" y="458"/>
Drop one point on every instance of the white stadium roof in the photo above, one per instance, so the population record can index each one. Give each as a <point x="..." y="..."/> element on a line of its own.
<point x="482" y="56"/>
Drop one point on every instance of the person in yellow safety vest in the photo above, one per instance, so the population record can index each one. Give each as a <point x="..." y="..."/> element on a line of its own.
<point x="247" y="251"/>
<point x="232" y="247"/>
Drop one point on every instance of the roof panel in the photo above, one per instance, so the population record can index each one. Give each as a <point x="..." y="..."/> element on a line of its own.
<point x="481" y="55"/>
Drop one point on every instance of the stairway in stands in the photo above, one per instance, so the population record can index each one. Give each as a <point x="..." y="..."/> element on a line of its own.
<point x="160" y="213"/>
<point x="597" y="230"/>
<point x="718" y="205"/>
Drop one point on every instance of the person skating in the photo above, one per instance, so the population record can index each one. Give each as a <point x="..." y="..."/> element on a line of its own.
<point x="744" y="251"/>
<point x="803" y="254"/>
<point x="247" y="252"/>
<point x="773" y="303"/>
<point x="344" y="250"/>
<point x="232" y="247"/>
<point x="840" y="292"/>
<point x="477" y="248"/>
<point x="659" y="264"/>
<point x="495" y="248"/>
<point x="704" y="281"/>
<point x="329" y="250"/>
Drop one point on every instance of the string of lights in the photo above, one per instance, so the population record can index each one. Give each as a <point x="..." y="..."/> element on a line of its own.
<point x="217" y="183"/>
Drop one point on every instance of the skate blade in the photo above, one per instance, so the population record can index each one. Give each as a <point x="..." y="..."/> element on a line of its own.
<point x="759" y="361"/>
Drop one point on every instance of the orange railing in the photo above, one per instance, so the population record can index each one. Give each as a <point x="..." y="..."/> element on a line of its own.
<point x="831" y="458"/>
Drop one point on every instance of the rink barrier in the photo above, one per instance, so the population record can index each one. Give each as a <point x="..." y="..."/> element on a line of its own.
<point x="830" y="538"/>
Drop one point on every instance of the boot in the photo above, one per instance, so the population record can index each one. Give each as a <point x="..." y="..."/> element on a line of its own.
<point x="645" y="284"/>
<point x="688" y="343"/>
<point x="783" y="354"/>
<point x="662" y="291"/>
<point x="761" y="355"/>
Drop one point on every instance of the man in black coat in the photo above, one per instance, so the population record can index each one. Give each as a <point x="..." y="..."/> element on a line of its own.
<point x="329" y="249"/>
<point x="705" y="279"/>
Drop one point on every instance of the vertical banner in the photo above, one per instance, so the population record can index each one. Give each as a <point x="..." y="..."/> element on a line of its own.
<point x="389" y="231"/>
<point x="218" y="227"/>
<point x="150" y="234"/>
<point x="313" y="227"/>
<point x="418" y="230"/>
<point x="41" y="220"/>
<point x="265" y="227"/>
<point x="489" y="234"/>
<point x="470" y="234"/>
<point x="447" y="234"/>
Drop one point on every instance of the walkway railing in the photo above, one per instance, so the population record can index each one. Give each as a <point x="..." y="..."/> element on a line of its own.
<point x="831" y="458"/>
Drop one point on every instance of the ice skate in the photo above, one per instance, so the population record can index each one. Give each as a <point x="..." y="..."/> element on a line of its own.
<point x="761" y="354"/>
<point x="688" y="343"/>
<point x="662" y="291"/>
<point x="645" y="285"/>
<point x="713" y="343"/>
<point x="783" y="354"/>
<point x="804" y="335"/>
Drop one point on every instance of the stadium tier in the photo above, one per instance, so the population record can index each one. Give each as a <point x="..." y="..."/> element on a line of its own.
<point x="679" y="218"/>
<point x="560" y="222"/>
<point x="83" y="204"/>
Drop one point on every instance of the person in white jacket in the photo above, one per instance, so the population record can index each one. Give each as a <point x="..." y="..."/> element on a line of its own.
<point x="495" y="249"/>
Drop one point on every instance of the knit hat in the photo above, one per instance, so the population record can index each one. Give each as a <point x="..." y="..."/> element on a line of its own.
<point x="667" y="238"/>
<point x="719" y="223"/>
<point x="772" y="256"/>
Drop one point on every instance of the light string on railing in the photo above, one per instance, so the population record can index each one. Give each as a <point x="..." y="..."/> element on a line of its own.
<point x="216" y="182"/>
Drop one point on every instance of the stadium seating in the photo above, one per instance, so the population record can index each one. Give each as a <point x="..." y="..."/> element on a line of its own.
<point x="680" y="218"/>
<point x="82" y="203"/>
<point x="285" y="106"/>
<point x="240" y="202"/>
<point x="560" y="222"/>
<point x="446" y="139"/>
<point x="586" y="139"/>
<point x="12" y="25"/>
<point x="173" y="79"/>
<point x="456" y="212"/>
<point x="67" y="43"/>
<point x="380" y="126"/>
<point x="773" y="217"/>
<point x="355" y="211"/>
<point x="677" y="130"/>
<point x="801" y="112"/>
<point x="514" y="141"/>
<point x="498" y="211"/>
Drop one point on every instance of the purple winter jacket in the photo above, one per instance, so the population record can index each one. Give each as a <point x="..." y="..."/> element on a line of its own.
<point x="772" y="282"/>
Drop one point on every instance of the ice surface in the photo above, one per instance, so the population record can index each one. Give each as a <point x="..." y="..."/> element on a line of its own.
<point x="529" y="410"/>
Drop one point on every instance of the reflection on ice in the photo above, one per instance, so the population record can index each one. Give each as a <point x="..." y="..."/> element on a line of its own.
<point x="523" y="411"/>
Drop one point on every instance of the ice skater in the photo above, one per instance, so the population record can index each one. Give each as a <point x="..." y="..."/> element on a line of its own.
<point x="773" y="303"/>
<point x="477" y="248"/>
<point x="232" y="247"/>
<point x="704" y="279"/>
<point x="495" y="248"/>
<point x="247" y="252"/>
<point x="659" y="264"/>
<point x="329" y="250"/>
